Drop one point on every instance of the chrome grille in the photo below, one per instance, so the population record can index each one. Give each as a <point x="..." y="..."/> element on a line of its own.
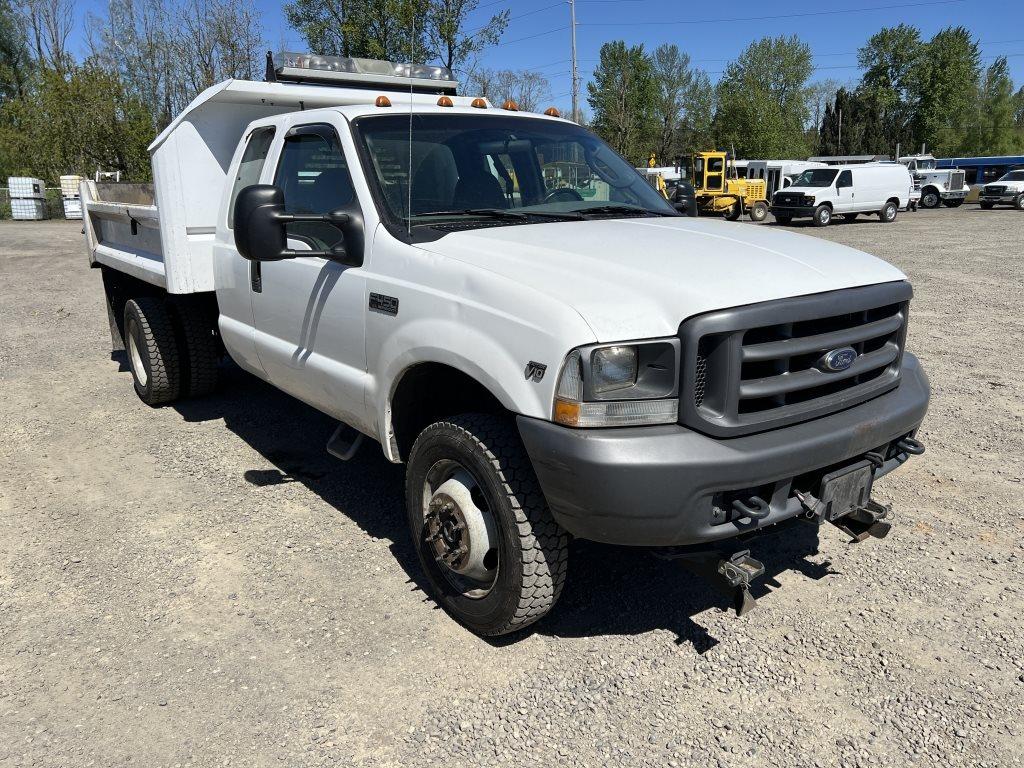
<point x="956" y="181"/>
<point x="760" y="366"/>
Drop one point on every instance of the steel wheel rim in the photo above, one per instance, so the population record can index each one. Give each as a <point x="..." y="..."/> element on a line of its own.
<point x="825" y="217"/>
<point x="134" y="356"/>
<point x="441" y="473"/>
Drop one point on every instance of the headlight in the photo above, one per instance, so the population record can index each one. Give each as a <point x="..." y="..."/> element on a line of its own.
<point x="619" y="385"/>
<point x="808" y="199"/>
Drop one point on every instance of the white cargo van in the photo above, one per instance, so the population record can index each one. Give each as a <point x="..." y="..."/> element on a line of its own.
<point x="845" y="190"/>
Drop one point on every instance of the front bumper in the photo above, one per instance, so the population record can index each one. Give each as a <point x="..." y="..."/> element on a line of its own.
<point x="793" y="211"/>
<point x="1009" y="198"/>
<point x="953" y="195"/>
<point x="656" y="486"/>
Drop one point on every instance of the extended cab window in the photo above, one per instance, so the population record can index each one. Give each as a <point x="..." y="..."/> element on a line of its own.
<point x="249" y="169"/>
<point x="314" y="177"/>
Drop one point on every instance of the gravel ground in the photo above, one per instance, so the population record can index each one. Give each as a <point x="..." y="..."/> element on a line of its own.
<point x="202" y="585"/>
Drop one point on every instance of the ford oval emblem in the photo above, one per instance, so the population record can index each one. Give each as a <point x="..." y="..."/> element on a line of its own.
<point x="838" y="359"/>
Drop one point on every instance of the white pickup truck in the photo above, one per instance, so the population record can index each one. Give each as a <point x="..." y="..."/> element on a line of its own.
<point x="506" y="306"/>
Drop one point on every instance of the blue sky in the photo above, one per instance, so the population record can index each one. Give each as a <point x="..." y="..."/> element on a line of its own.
<point x="712" y="33"/>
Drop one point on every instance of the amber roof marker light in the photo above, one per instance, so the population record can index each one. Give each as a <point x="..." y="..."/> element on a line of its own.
<point x="552" y="112"/>
<point x="382" y="101"/>
<point x="444" y="101"/>
<point x="510" y="105"/>
<point x="478" y="103"/>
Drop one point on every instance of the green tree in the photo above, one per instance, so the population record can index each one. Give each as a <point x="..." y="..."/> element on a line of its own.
<point x="891" y="85"/>
<point x="376" y="29"/>
<point x="75" y="121"/>
<point x="948" y="91"/>
<point x="450" y="42"/>
<point x="852" y="125"/>
<point x="15" y="61"/>
<point x="673" y="80"/>
<point x="763" y="99"/>
<point x="696" y="130"/>
<point x="621" y="96"/>
<point x="995" y="129"/>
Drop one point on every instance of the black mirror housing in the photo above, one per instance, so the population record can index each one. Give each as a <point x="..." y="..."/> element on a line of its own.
<point x="259" y="232"/>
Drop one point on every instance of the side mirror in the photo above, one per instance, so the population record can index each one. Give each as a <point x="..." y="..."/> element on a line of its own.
<point x="260" y="233"/>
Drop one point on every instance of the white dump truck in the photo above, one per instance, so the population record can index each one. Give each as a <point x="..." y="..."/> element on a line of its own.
<point x="549" y="360"/>
<point x="938" y="186"/>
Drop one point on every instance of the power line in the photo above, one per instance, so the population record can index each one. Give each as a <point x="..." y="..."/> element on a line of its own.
<point x="766" y="18"/>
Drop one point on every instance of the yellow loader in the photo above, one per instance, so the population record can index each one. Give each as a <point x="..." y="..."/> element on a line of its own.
<point x="719" y="190"/>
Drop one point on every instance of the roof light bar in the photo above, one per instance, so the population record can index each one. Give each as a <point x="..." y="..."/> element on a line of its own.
<point x="306" y="67"/>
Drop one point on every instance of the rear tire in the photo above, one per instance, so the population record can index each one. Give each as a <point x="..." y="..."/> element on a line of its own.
<point x="759" y="211"/>
<point x="822" y="216"/>
<point x="152" y="348"/>
<point x="530" y="548"/>
<point x="200" y="346"/>
<point x="888" y="213"/>
<point x="734" y="211"/>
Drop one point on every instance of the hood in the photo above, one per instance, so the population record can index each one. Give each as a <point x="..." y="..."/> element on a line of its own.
<point x="807" y="190"/>
<point x="640" y="278"/>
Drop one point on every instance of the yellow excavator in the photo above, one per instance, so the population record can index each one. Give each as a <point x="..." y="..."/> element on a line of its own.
<point x="719" y="190"/>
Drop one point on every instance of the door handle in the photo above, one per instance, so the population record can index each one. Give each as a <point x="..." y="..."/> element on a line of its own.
<point x="256" y="276"/>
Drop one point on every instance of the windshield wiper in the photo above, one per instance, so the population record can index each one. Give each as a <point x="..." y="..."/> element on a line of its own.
<point x="613" y="209"/>
<point x="510" y="215"/>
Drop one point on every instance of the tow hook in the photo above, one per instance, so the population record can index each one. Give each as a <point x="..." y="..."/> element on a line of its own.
<point x="729" y="573"/>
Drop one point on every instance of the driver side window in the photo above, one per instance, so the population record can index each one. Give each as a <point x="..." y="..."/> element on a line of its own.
<point x="314" y="177"/>
<point x="845" y="180"/>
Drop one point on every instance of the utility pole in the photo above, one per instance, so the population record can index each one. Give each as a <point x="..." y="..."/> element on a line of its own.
<point x="840" y="143"/>
<point x="575" y="70"/>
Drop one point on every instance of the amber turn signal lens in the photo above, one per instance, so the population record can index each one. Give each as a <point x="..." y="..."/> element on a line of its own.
<point x="567" y="412"/>
<point x="478" y="104"/>
<point x="552" y="112"/>
<point x="444" y="101"/>
<point x="382" y="101"/>
<point x="510" y="105"/>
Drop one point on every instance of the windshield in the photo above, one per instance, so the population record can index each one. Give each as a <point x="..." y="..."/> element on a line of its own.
<point x="816" y="177"/>
<point x="926" y="165"/>
<point x="1013" y="176"/>
<point x="472" y="171"/>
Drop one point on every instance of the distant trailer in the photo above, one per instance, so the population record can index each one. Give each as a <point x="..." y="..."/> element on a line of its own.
<point x="848" y="159"/>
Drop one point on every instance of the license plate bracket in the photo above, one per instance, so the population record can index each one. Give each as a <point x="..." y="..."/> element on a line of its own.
<point x="846" y="489"/>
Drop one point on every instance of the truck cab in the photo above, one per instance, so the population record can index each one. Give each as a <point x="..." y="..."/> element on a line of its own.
<point x="550" y="354"/>
<point x="937" y="186"/>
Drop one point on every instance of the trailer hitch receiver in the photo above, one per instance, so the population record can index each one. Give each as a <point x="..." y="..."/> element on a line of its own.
<point x="731" y="574"/>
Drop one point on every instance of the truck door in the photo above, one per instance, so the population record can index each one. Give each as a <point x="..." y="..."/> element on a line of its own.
<point x="310" y="312"/>
<point x="845" y="200"/>
<point x="231" y="271"/>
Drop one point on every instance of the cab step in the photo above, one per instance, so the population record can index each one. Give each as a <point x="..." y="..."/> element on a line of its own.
<point x="345" y="442"/>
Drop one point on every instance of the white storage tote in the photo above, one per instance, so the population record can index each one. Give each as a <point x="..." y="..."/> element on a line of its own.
<point x="72" y="208"/>
<point x="69" y="185"/>
<point x="28" y="209"/>
<point x="26" y="187"/>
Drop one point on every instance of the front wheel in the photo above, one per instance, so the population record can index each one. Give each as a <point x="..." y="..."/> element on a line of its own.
<point x="759" y="211"/>
<point x="1019" y="202"/>
<point x="930" y="198"/>
<point x="822" y="216"/>
<point x="888" y="213"/>
<point x="488" y="544"/>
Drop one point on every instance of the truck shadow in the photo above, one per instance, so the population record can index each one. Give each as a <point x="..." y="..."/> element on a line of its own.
<point x="611" y="590"/>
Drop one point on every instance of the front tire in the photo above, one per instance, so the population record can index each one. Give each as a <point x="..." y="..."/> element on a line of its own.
<point x="759" y="211"/>
<point x="152" y="348"/>
<point x="469" y="480"/>
<point x="1019" y="202"/>
<point x="930" y="198"/>
<point x="888" y="213"/>
<point x="822" y="216"/>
